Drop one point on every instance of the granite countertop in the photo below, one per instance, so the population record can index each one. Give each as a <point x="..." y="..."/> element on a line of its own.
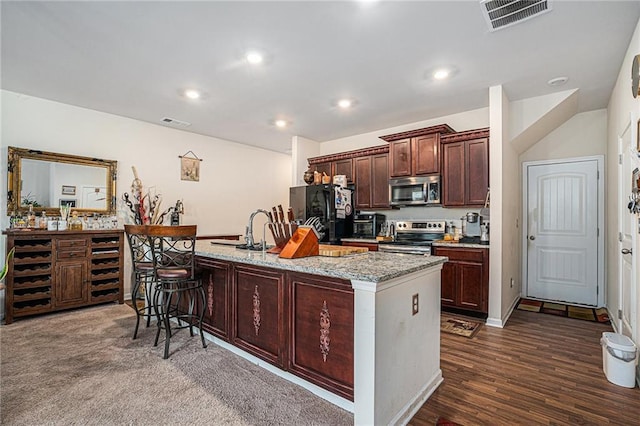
<point x="371" y="266"/>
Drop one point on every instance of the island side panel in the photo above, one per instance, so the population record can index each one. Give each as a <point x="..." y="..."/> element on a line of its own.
<point x="321" y="334"/>
<point x="397" y="354"/>
<point x="259" y="323"/>
<point x="216" y="281"/>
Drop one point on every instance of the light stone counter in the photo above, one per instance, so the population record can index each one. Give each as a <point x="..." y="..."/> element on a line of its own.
<point x="371" y="266"/>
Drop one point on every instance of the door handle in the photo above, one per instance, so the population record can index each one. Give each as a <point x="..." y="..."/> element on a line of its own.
<point x="626" y="251"/>
<point x="532" y="237"/>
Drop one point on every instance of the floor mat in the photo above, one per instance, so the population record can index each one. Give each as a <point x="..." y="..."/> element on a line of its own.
<point x="564" y="310"/>
<point x="459" y="326"/>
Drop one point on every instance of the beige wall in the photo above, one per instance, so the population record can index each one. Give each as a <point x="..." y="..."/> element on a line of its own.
<point x="583" y="135"/>
<point x="235" y="179"/>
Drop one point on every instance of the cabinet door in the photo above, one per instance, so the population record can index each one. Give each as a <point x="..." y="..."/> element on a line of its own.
<point x="344" y="167"/>
<point x="477" y="171"/>
<point x="470" y="287"/>
<point x="216" y="280"/>
<point x="259" y="324"/>
<point x="323" y="168"/>
<point x="71" y="284"/>
<point x="400" y="158"/>
<point x="426" y="154"/>
<point x="453" y="174"/>
<point x="448" y="280"/>
<point x="321" y="337"/>
<point x="362" y="173"/>
<point x="380" y="181"/>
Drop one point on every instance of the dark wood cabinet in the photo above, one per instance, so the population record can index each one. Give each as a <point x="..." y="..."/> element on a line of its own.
<point x="336" y="167"/>
<point x="372" y="181"/>
<point x="465" y="278"/>
<point x="259" y="318"/>
<point x="71" y="272"/>
<point x="415" y="156"/>
<point x="55" y="270"/>
<point x="370" y="246"/>
<point x="343" y="167"/>
<point x="216" y="281"/>
<point x="465" y="171"/>
<point x="298" y="322"/>
<point x="323" y="168"/>
<point x="321" y="333"/>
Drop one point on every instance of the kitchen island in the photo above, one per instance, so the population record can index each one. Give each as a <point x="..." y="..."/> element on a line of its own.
<point x="362" y="331"/>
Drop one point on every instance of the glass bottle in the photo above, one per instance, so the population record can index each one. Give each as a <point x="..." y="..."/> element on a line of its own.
<point x="43" y="220"/>
<point x="75" y="224"/>
<point x="31" y="217"/>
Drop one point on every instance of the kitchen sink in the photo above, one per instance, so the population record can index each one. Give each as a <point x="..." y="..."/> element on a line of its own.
<point x="256" y="247"/>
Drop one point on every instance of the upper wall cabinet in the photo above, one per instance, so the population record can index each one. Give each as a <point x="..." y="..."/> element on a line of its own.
<point x="415" y="156"/>
<point x="465" y="168"/>
<point x="416" y="152"/>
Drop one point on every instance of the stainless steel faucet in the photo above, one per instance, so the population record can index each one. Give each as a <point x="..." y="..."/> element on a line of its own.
<point x="248" y="238"/>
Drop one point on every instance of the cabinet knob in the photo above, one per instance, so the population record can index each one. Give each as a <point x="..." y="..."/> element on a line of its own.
<point x="626" y="251"/>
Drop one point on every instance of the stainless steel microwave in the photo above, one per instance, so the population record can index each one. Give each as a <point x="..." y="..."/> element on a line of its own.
<point x="414" y="191"/>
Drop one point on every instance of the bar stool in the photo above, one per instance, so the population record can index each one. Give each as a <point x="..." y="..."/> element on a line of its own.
<point x="177" y="288"/>
<point x="141" y="272"/>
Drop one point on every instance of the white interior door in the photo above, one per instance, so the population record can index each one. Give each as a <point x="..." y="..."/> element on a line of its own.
<point x="94" y="197"/>
<point x="562" y="259"/>
<point x="626" y="223"/>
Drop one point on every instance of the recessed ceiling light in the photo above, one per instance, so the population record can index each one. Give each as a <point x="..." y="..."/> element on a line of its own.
<point x="441" y="74"/>
<point x="192" y="94"/>
<point x="558" y="81"/>
<point x="254" y="57"/>
<point x="345" y="103"/>
<point x="281" y="123"/>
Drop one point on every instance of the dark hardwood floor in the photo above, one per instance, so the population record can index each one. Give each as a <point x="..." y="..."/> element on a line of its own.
<point x="539" y="369"/>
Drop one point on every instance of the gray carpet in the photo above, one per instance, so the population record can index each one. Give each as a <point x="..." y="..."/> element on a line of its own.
<point x="82" y="368"/>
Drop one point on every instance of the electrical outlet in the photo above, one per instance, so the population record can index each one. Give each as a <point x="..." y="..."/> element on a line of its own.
<point x="414" y="304"/>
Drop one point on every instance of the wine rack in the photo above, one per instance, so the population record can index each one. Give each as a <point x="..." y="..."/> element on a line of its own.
<point x="55" y="270"/>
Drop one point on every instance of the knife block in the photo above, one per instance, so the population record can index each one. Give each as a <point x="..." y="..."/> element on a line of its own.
<point x="303" y="243"/>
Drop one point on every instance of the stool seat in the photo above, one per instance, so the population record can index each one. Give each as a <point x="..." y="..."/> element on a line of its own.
<point x="144" y="267"/>
<point x="173" y="274"/>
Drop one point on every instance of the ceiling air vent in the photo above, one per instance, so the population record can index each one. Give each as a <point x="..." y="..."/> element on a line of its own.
<point x="175" y="122"/>
<point x="503" y="13"/>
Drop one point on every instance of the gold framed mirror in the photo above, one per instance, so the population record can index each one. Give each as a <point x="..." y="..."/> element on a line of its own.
<point x="47" y="180"/>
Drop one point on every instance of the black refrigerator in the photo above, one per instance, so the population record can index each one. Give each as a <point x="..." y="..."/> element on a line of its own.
<point x="332" y="204"/>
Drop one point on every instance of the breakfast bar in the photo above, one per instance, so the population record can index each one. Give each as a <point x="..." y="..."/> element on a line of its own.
<point x="361" y="330"/>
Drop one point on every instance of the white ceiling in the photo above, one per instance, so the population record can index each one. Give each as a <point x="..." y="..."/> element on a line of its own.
<point x="133" y="59"/>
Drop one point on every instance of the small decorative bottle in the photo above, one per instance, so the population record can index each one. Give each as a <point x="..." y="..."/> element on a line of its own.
<point x="43" y="220"/>
<point x="75" y="224"/>
<point x="31" y="217"/>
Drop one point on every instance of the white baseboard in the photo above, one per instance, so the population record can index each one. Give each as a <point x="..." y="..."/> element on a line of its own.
<point x="411" y="408"/>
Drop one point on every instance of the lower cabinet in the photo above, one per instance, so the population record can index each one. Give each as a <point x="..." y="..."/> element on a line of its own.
<point x="55" y="270"/>
<point x="465" y="278"/>
<point x="321" y="332"/>
<point x="258" y="313"/>
<point x="370" y="246"/>
<point x="216" y="280"/>
<point x="300" y="323"/>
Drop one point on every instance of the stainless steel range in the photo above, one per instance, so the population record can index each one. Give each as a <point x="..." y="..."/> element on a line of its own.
<point x="414" y="237"/>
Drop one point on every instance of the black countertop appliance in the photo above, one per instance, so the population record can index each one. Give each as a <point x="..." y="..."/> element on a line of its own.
<point x="332" y="204"/>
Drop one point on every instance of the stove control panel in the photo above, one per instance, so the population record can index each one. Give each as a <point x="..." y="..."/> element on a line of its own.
<point x="431" y="226"/>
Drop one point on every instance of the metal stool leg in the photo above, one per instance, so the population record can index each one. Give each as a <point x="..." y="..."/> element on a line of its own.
<point x="134" y="298"/>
